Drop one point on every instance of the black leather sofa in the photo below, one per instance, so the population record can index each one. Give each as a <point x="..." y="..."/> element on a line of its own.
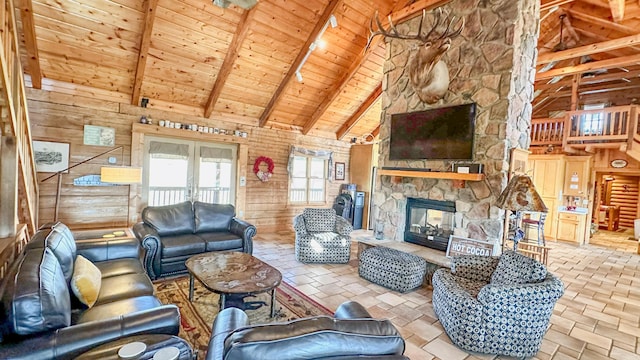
<point x="351" y="334"/>
<point x="171" y="234"/>
<point x="42" y="319"/>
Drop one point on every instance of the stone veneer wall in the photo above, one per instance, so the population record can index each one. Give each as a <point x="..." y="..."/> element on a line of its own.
<point x="492" y="63"/>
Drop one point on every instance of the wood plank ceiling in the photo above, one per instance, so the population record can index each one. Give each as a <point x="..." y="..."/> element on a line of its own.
<point x="193" y="57"/>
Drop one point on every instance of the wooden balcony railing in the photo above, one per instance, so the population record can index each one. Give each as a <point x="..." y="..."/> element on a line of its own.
<point x="159" y="196"/>
<point x="547" y="131"/>
<point x="608" y="127"/>
<point x="15" y="121"/>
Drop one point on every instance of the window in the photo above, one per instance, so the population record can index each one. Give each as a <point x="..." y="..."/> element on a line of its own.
<point x="308" y="177"/>
<point x="593" y="123"/>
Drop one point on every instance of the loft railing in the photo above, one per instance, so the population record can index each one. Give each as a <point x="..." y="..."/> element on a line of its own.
<point x="547" y="131"/>
<point x="608" y="127"/>
<point x="15" y="119"/>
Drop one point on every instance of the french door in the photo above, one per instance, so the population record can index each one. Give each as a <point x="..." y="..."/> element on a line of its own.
<point x="183" y="170"/>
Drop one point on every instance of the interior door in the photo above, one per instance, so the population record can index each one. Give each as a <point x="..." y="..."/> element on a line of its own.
<point x="178" y="170"/>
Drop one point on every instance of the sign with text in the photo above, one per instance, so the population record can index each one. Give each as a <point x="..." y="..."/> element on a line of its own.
<point x="464" y="246"/>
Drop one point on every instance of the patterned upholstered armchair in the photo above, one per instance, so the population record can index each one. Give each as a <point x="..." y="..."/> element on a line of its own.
<point x="496" y="305"/>
<point x="322" y="237"/>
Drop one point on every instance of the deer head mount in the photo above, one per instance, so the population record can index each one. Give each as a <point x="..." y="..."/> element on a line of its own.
<point x="428" y="74"/>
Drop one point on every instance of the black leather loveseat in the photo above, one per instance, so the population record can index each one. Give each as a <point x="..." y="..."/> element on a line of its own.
<point x="173" y="233"/>
<point x="41" y="317"/>
<point x="352" y="334"/>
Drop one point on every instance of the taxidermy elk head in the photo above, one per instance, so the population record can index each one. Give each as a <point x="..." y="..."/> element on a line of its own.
<point x="428" y="74"/>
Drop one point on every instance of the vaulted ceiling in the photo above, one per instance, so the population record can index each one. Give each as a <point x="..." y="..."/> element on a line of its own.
<point x="193" y="57"/>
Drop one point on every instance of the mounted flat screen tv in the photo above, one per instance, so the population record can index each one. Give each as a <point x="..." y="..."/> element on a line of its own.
<point x="436" y="134"/>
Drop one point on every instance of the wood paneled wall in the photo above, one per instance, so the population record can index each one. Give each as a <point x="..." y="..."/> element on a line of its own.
<point x="61" y="118"/>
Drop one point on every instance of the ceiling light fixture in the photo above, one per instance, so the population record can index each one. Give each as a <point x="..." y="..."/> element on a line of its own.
<point x="318" y="42"/>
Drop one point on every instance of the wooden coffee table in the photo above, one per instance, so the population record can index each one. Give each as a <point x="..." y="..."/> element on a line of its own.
<point x="234" y="274"/>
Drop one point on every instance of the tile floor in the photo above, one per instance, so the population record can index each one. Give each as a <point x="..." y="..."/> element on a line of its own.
<point x="598" y="317"/>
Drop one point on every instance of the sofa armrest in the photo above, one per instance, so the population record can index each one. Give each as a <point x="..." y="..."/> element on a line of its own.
<point x="150" y="241"/>
<point x="225" y="323"/>
<point x="474" y="267"/>
<point x="246" y="231"/>
<point x="71" y="341"/>
<point x="351" y="310"/>
<point x="299" y="226"/>
<point x="108" y="249"/>
<point x="547" y="291"/>
<point x="343" y="227"/>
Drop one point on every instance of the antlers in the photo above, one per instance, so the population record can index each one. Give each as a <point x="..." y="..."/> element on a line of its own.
<point x="392" y="32"/>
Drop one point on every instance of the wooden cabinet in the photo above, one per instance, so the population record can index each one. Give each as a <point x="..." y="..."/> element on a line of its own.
<point x="576" y="176"/>
<point x="571" y="227"/>
<point x="547" y="173"/>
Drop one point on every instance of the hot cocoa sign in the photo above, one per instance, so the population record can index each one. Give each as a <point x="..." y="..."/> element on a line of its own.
<point x="464" y="246"/>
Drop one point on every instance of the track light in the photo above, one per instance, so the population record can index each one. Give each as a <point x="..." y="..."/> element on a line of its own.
<point x="298" y="76"/>
<point x="318" y="42"/>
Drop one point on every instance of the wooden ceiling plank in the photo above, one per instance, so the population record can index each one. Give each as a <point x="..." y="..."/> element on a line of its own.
<point x="362" y="109"/>
<point x="397" y="17"/>
<point x="596" y="65"/>
<point x="328" y="10"/>
<point x="31" y="44"/>
<point x="589" y="49"/>
<point x="232" y="54"/>
<point x="145" y="43"/>
<point x="617" y="9"/>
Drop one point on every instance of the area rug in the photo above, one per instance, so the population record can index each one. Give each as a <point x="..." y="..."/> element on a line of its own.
<point x="197" y="316"/>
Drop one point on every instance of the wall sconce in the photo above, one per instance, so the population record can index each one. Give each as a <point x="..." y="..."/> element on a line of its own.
<point x="317" y="43"/>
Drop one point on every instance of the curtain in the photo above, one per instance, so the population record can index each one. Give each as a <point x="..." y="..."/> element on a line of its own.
<point x="162" y="150"/>
<point x="323" y="154"/>
<point x="219" y="155"/>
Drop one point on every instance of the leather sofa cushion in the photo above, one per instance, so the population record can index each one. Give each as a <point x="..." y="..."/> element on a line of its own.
<point x="319" y="220"/>
<point x="179" y="245"/>
<point x="313" y="338"/>
<point x="119" y="267"/>
<point x="212" y="217"/>
<point x="170" y="219"/>
<point x="220" y="241"/>
<point x="39" y="295"/>
<point x="58" y="238"/>
<point x="123" y="287"/>
<point x="118" y="308"/>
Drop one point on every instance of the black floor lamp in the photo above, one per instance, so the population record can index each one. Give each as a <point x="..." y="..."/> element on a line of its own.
<point x="108" y="174"/>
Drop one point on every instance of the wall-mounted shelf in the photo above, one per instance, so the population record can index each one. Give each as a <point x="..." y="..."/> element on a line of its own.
<point x="432" y="175"/>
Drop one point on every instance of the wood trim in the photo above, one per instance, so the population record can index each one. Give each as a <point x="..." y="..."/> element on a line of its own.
<point x="398" y="16"/>
<point x="617" y="9"/>
<point x="145" y="43"/>
<point x="333" y="4"/>
<point x="232" y="54"/>
<point x="31" y="44"/>
<point x="589" y="49"/>
<point x="8" y="186"/>
<point x="364" y="107"/>
<point x="156" y="130"/>
<point x="596" y="65"/>
<point x="376" y="131"/>
<point x="432" y="175"/>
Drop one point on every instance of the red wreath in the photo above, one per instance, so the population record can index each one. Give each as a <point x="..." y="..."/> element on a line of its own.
<point x="263" y="175"/>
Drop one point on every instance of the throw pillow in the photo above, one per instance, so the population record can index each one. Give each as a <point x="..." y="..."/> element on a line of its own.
<point x="515" y="268"/>
<point x="86" y="281"/>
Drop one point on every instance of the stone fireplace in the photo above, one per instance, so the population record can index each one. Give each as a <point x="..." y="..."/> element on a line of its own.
<point x="429" y="222"/>
<point x="492" y="63"/>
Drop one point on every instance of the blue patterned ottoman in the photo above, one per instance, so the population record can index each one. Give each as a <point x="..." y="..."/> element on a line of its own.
<point x="391" y="268"/>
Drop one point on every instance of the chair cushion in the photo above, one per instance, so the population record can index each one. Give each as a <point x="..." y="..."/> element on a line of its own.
<point x="219" y="241"/>
<point x="40" y="296"/>
<point x="124" y="287"/>
<point x="515" y="268"/>
<point x="86" y="281"/>
<point x="118" y="267"/>
<point x="180" y="245"/>
<point x="212" y="217"/>
<point x="170" y="219"/>
<point x="319" y="220"/>
<point x="118" y="308"/>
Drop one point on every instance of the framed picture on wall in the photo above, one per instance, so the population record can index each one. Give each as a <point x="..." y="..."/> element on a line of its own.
<point x="50" y="156"/>
<point x="339" y="171"/>
<point x="518" y="165"/>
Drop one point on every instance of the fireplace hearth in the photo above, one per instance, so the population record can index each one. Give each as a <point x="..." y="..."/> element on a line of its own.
<point x="429" y="222"/>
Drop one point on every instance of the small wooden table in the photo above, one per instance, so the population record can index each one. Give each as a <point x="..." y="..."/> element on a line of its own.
<point x="233" y="273"/>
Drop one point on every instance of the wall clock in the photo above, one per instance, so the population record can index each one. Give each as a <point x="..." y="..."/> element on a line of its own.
<point x="618" y="163"/>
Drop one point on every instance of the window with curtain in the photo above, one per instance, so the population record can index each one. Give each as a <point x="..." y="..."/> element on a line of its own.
<point x="307" y="180"/>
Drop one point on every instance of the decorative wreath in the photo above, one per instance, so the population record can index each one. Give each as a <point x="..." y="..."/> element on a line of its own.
<point x="263" y="175"/>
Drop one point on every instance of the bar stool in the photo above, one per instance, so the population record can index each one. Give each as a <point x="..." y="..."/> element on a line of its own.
<point x="538" y="225"/>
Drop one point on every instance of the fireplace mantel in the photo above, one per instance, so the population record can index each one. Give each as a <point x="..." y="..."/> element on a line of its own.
<point x="432" y="175"/>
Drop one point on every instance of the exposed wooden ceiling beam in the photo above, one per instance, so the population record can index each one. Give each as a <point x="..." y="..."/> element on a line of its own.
<point x="397" y="16"/>
<point x="596" y="65"/>
<point x="145" y="42"/>
<point x="550" y="4"/>
<point x="599" y="21"/>
<point x="617" y="9"/>
<point x="31" y="44"/>
<point x="232" y="54"/>
<point x="375" y="132"/>
<point x="328" y="10"/>
<point x="362" y="109"/>
<point x="589" y="49"/>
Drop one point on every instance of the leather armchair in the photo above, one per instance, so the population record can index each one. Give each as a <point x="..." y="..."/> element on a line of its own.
<point x="351" y="334"/>
<point x="171" y="234"/>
